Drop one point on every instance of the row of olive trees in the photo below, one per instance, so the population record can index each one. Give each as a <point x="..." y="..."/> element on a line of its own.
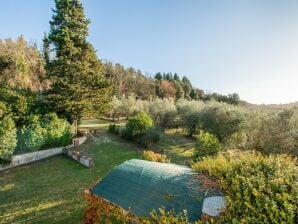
<point x="162" y="111"/>
<point x="234" y="126"/>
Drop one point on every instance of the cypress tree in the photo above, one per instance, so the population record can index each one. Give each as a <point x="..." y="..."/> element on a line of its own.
<point x="78" y="85"/>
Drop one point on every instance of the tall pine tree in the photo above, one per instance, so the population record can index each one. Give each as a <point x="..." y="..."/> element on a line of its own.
<point x="79" y="88"/>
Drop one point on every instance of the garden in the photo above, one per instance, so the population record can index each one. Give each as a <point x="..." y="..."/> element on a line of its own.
<point x="64" y="91"/>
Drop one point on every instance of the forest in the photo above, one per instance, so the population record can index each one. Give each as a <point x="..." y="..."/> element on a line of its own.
<point x="46" y="95"/>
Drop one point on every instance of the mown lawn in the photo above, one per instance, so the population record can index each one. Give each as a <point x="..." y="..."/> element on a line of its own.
<point x="177" y="147"/>
<point x="51" y="191"/>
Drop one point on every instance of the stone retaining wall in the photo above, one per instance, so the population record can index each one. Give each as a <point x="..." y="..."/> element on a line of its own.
<point x="26" y="158"/>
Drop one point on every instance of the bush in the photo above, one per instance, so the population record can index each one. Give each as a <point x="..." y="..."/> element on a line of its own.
<point x="207" y="145"/>
<point x="138" y="125"/>
<point x="124" y="133"/>
<point x="8" y="140"/>
<point x="149" y="138"/>
<point x="57" y="131"/>
<point x="156" y="157"/>
<point x="168" y="217"/>
<point x="114" y="129"/>
<point x="100" y="211"/>
<point x="259" y="189"/>
<point x="32" y="136"/>
<point x="48" y="131"/>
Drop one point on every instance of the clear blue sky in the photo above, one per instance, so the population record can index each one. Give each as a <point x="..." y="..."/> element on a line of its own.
<point x="244" y="46"/>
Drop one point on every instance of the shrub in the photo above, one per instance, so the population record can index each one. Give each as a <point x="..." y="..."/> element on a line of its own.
<point x="114" y="129"/>
<point x="150" y="137"/>
<point x="168" y="217"/>
<point x="41" y="132"/>
<point x="124" y="133"/>
<point x="8" y="140"/>
<point x="100" y="211"/>
<point x="260" y="189"/>
<point x="32" y="136"/>
<point x="139" y="124"/>
<point x="156" y="157"/>
<point x="207" y="145"/>
<point x="57" y="131"/>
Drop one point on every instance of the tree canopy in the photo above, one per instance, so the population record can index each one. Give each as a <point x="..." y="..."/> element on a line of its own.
<point x="78" y="85"/>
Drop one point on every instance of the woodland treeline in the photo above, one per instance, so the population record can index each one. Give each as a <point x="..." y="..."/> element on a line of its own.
<point x="66" y="80"/>
<point x="129" y="81"/>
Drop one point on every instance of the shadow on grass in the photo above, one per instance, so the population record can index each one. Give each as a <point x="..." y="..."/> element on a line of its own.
<point x="51" y="191"/>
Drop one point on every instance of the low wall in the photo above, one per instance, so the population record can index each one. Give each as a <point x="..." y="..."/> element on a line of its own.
<point x="26" y="158"/>
<point x="22" y="159"/>
<point x="82" y="159"/>
<point x="79" y="141"/>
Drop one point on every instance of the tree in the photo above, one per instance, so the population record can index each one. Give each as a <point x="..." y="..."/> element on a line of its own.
<point x="186" y="85"/>
<point x="222" y="120"/>
<point x="179" y="90"/>
<point x="176" y="77"/>
<point x="22" y="65"/>
<point x="163" y="112"/>
<point x="167" y="89"/>
<point x="189" y="112"/>
<point x="196" y="94"/>
<point x="158" y="76"/>
<point x="79" y="88"/>
<point x="207" y="145"/>
<point x="8" y="140"/>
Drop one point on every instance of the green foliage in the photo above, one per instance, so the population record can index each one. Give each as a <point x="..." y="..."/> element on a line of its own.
<point x="58" y="131"/>
<point x="15" y="101"/>
<point x="8" y="139"/>
<point x="32" y="136"/>
<point x="78" y="88"/>
<point x="156" y="157"/>
<point x="207" y="145"/>
<point x="189" y="112"/>
<point x="273" y="131"/>
<point x="113" y="128"/>
<point x="150" y="137"/>
<point x="222" y="120"/>
<point x="41" y="132"/>
<point x="260" y="189"/>
<point x="21" y="65"/>
<point x="163" y="112"/>
<point x="139" y="124"/>
<point x="167" y="217"/>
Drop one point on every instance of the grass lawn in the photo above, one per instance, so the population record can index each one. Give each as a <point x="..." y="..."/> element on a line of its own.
<point x="51" y="191"/>
<point x="176" y="147"/>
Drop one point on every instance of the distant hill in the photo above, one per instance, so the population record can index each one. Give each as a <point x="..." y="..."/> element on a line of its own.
<point x="270" y="106"/>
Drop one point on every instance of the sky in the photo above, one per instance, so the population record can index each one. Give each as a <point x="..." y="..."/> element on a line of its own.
<point x="225" y="46"/>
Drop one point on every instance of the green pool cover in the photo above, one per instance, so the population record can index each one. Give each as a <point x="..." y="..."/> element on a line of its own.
<point x="143" y="186"/>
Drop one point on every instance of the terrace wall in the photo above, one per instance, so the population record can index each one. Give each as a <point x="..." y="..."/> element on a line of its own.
<point x="26" y="158"/>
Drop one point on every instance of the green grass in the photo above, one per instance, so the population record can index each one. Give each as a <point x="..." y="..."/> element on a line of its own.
<point x="177" y="147"/>
<point x="51" y="191"/>
<point x="97" y="124"/>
